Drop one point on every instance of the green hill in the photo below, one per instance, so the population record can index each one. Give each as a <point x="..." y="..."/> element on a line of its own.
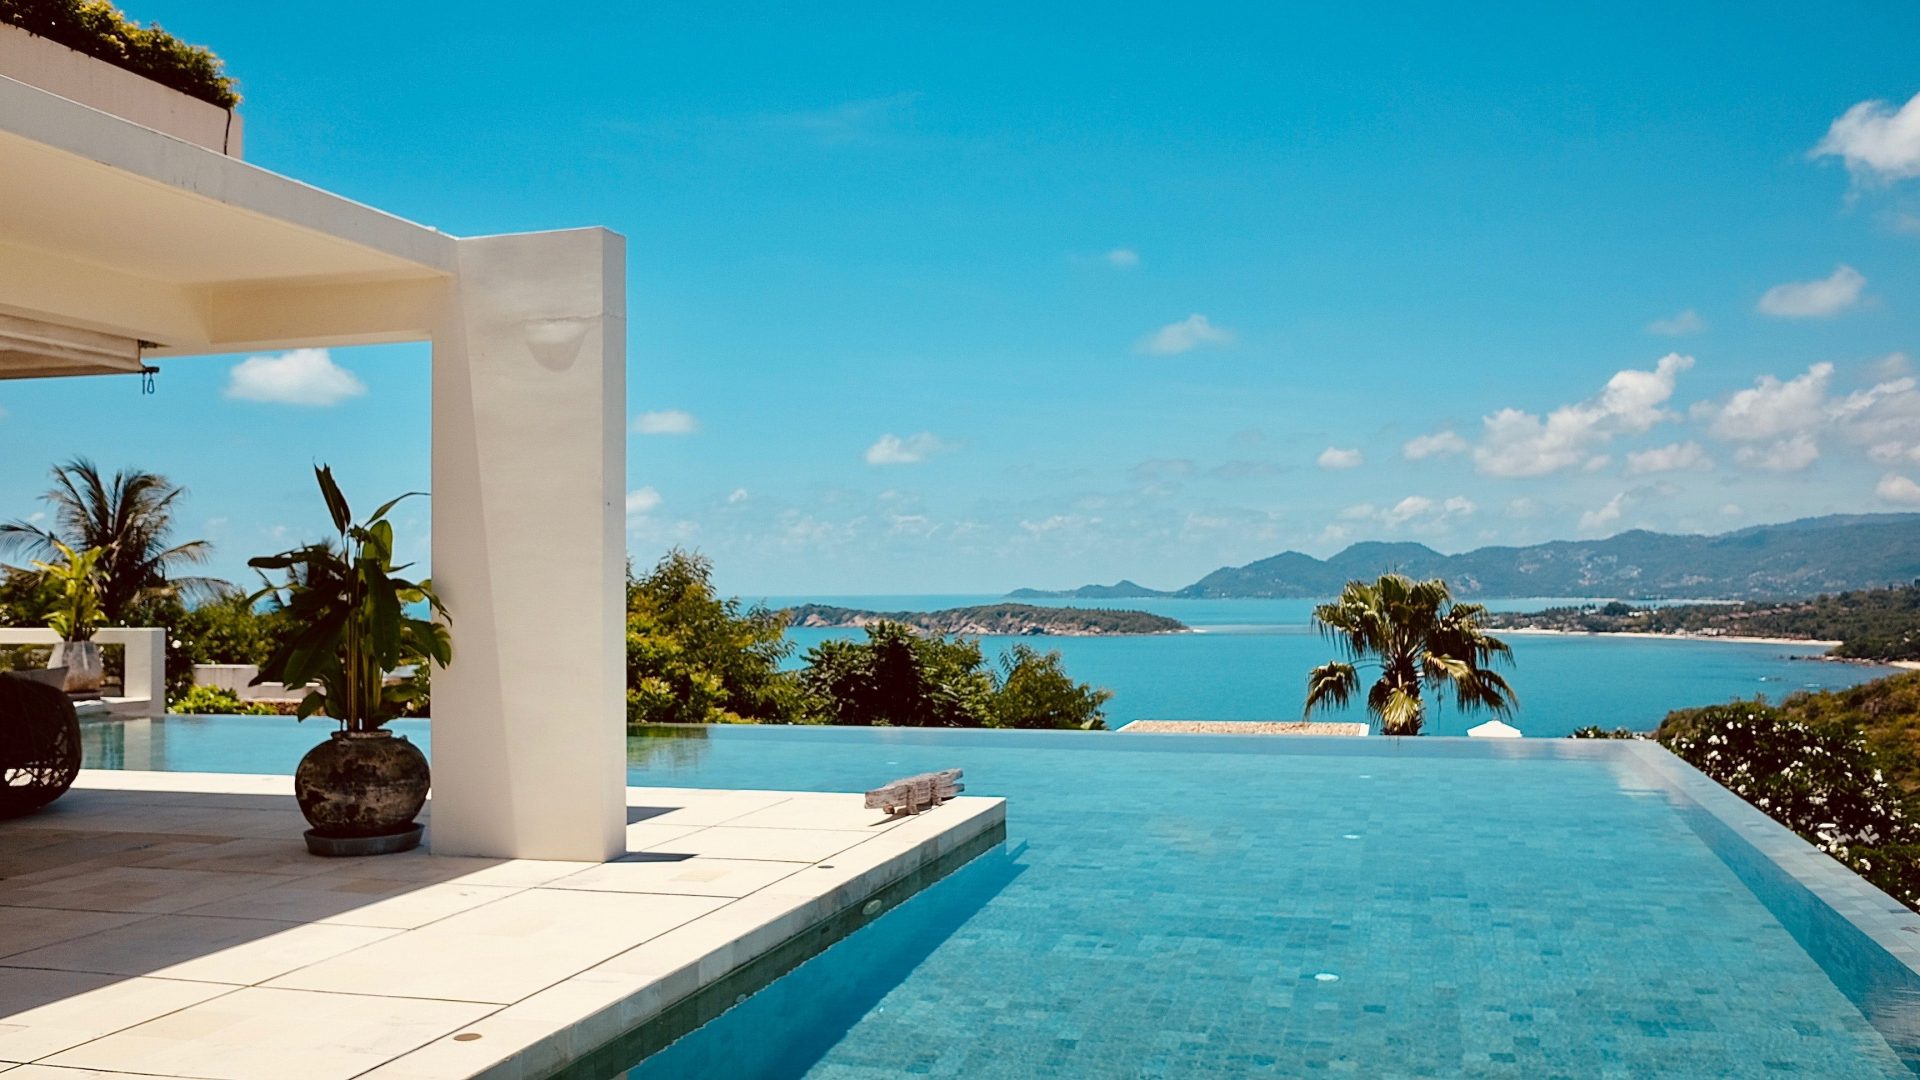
<point x="1792" y="559"/>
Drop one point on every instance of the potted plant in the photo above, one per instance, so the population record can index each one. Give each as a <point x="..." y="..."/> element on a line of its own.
<point x="363" y="787"/>
<point x="75" y="616"/>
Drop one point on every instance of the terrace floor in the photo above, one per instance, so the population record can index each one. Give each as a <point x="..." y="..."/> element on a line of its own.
<point x="172" y="924"/>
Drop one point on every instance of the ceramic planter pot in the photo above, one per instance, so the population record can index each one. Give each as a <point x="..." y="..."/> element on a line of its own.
<point x="85" y="671"/>
<point x="361" y="790"/>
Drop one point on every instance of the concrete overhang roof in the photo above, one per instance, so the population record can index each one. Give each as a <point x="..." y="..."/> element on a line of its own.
<point x="111" y="228"/>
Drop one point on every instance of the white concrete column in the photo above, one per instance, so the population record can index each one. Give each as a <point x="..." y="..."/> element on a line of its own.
<point x="529" y="479"/>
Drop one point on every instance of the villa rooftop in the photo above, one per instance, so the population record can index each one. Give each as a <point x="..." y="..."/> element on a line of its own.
<point x="172" y="924"/>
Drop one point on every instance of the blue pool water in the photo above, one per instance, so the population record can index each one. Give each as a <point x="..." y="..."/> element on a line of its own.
<point x="1166" y="907"/>
<point x="1250" y="658"/>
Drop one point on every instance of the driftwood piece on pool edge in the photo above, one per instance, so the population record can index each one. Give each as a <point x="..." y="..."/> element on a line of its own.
<point x="912" y="794"/>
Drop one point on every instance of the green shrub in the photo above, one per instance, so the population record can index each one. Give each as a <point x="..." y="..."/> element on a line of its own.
<point x="97" y="28"/>
<point x="1595" y="731"/>
<point x="1819" y="780"/>
<point x="1036" y="692"/>
<point x="215" y="701"/>
<point x="694" y="658"/>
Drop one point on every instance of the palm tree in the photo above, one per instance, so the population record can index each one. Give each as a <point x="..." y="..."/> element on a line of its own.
<point x="128" y="519"/>
<point x="1420" y="640"/>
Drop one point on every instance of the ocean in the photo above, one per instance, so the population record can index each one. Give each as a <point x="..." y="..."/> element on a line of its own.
<point x="1248" y="660"/>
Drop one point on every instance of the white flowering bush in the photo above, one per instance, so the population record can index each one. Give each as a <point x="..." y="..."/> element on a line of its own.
<point x="1820" y="781"/>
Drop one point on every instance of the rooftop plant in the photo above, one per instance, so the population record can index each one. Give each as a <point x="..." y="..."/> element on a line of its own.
<point x="97" y="28"/>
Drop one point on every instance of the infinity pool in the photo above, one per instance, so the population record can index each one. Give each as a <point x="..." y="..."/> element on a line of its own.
<point x="1184" y="906"/>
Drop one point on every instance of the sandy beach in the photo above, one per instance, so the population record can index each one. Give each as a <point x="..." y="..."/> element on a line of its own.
<point x="1738" y="639"/>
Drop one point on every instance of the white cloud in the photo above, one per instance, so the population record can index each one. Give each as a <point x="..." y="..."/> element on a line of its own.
<point x="1877" y="141"/>
<point x="1837" y="292"/>
<point x="1516" y="443"/>
<point x="738" y="496"/>
<point x="1435" y="445"/>
<point x="666" y="422"/>
<point x="1600" y="518"/>
<point x="1334" y="457"/>
<point x="1414" y="509"/>
<point x="1891" y="366"/>
<point x="1771" y="408"/>
<point x="1671" y="458"/>
<point x="1059" y="523"/>
<point x="642" y="502"/>
<point x="1790" y="454"/>
<point x="1679" y="325"/>
<point x="1123" y="258"/>
<point x="1790" y="416"/>
<point x="1895" y="488"/>
<point x="1596" y="463"/>
<point x="1523" y="508"/>
<point x="1188" y="334"/>
<point x="299" y="377"/>
<point x="1732" y="509"/>
<point x="1885" y="412"/>
<point x="891" y="449"/>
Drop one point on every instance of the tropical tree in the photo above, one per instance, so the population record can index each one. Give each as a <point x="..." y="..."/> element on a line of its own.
<point x="1419" y="639"/>
<point x="75" y="614"/>
<point x="898" y="678"/>
<point x="694" y="657"/>
<point x="1035" y="691"/>
<point x="128" y="520"/>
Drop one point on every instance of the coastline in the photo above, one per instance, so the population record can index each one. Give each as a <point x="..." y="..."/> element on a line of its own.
<point x="1737" y="639"/>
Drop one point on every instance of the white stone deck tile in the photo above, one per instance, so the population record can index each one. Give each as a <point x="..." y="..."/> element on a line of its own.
<point x="684" y="877"/>
<point x="201" y="948"/>
<point x="642" y="835"/>
<point x="278" y="855"/>
<point x="778" y="845"/>
<point x="60" y="1073"/>
<point x="133" y="888"/>
<point x="420" y="865"/>
<point x="45" y="1012"/>
<point x="23" y="928"/>
<point x="366" y="898"/>
<point x="185" y="820"/>
<point x="503" y="951"/>
<point x="283" y="1034"/>
<point x="679" y="806"/>
<point x="810" y="811"/>
<point x="202" y="785"/>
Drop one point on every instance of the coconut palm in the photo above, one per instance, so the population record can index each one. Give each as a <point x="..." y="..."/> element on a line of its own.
<point x="128" y="519"/>
<point x="1420" y="639"/>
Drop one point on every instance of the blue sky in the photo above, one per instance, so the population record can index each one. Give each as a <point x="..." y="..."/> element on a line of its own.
<point x="964" y="300"/>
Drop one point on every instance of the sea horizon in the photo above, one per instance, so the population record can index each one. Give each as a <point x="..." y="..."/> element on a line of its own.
<point x="1249" y="657"/>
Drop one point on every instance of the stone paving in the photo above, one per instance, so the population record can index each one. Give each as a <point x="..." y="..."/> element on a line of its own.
<point x="172" y="924"/>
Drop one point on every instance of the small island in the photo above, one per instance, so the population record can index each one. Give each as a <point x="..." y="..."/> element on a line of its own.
<point x="994" y="620"/>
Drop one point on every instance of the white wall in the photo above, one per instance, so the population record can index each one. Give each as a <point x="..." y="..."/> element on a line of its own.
<point x="145" y="681"/>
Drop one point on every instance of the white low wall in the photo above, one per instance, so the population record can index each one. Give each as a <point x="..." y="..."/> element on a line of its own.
<point x="109" y="88"/>
<point x="145" y="675"/>
<point x="238" y="679"/>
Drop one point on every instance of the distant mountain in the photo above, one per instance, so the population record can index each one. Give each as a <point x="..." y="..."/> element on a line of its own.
<point x="1119" y="590"/>
<point x="1796" y="558"/>
<point x="995" y="619"/>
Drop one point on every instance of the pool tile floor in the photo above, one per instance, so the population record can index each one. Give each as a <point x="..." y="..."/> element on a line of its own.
<point x="172" y="924"/>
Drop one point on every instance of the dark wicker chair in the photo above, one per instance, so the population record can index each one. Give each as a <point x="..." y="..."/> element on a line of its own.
<point x="39" y="745"/>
